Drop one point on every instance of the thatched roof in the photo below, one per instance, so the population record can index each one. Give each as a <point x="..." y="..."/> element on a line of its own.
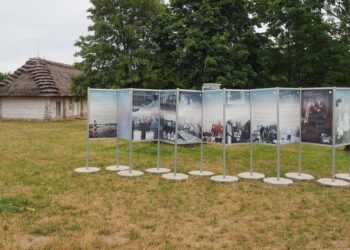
<point x="39" y="77"/>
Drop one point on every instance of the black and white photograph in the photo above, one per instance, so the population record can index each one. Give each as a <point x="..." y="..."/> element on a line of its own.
<point x="124" y="114"/>
<point x="189" y="117"/>
<point x="213" y="116"/>
<point x="168" y="116"/>
<point x="103" y="114"/>
<point x="342" y="116"/>
<point x="237" y="117"/>
<point x="289" y="113"/>
<point x="264" y="116"/>
<point x="316" y="114"/>
<point x="145" y="115"/>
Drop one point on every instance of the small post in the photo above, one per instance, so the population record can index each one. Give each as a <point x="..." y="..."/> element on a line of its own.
<point x="278" y="135"/>
<point x="130" y="139"/>
<point x="224" y="135"/>
<point x="299" y="145"/>
<point x="202" y="146"/>
<point x="251" y="134"/>
<point x="333" y="135"/>
<point x="158" y="142"/>
<point x="349" y="160"/>
<point x="175" y="150"/>
<point x="87" y="133"/>
<point x="116" y="137"/>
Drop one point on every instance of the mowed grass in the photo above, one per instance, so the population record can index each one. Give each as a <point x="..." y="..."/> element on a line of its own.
<point x="44" y="204"/>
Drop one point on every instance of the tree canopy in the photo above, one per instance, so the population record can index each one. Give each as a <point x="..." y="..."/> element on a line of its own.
<point x="238" y="43"/>
<point x="3" y="76"/>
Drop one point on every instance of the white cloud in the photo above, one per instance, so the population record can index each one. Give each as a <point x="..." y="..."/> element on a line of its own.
<point x="47" y="27"/>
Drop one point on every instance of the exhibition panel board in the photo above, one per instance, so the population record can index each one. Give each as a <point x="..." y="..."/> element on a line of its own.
<point x="317" y="116"/>
<point x="124" y="114"/>
<point x="102" y="106"/>
<point x="237" y="116"/>
<point x="264" y="116"/>
<point x="289" y="115"/>
<point x="145" y="115"/>
<point x="189" y="117"/>
<point x="342" y="116"/>
<point x="168" y="102"/>
<point x="213" y="119"/>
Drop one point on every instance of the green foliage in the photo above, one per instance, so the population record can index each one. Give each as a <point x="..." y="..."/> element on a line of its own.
<point x="119" y="48"/>
<point x="3" y="76"/>
<point x="150" y="44"/>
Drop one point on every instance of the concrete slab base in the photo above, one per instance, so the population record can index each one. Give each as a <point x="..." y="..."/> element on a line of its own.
<point x="175" y="177"/>
<point x="157" y="170"/>
<point x="251" y="176"/>
<point x="201" y="173"/>
<point x="281" y="181"/>
<point x="333" y="183"/>
<point x="224" y="179"/>
<point x="343" y="176"/>
<point x="130" y="173"/>
<point x="299" y="176"/>
<point x="86" y="170"/>
<point x="117" y="168"/>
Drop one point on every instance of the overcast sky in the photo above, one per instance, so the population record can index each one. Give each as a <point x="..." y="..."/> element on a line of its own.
<point x="47" y="27"/>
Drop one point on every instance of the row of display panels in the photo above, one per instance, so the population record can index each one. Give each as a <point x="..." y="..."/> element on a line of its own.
<point x="141" y="113"/>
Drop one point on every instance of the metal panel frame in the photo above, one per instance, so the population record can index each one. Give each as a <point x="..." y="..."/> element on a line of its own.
<point x="88" y="118"/>
<point x="251" y="119"/>
<point x="241" y="90"/>
<point x="334" y="95"/>
<point x="282" y="145"/>
<point x="208" y="91"/>
<point x="190" y="91"/>
<point x="321" y="88"/>
<point x="132" y="107"/>
<point x="160" y="91"/>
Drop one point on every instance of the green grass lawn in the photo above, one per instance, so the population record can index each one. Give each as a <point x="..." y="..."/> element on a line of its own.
<point x="44" y="204"/>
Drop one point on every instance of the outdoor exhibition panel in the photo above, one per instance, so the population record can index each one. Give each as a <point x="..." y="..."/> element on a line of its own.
<point x="124" y="114"/>
<point x="237" y="116"/>
<point x="102" y="104"/>
<point x="272" y="116"/>
<point x="189" y="117"/>
<point x="317" y="116"/>
<point x="213" y="120"/>
<point x="264" y="116"/>
<point x="145" y="115"/>
<point x="289" y="113"/>
<point x="342" y="116"/>
<point x="168" y="102"/>
<point x="342" y="123"/>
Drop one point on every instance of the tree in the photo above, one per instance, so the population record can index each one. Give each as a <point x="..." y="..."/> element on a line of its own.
<point x="118" y="51"/>
<point x="301" y="50"/>
<point x="3" y="76"/>
<point x="209" y="41"/>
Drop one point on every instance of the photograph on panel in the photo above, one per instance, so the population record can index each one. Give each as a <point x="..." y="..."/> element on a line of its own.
<point x="264" y="116"/>
<point x="237" y="117"/>
<point x="213" y="116"/>
<point x="124" y="114"/>
<point x="289" y="112"/>
<point x="145" y="115"/>
<point x="168" y="116"/>
<point x="189" y="117"/>
<point x="103" y="114"/>
<point x="316" y="124"/>
<point x="342" y="116"/>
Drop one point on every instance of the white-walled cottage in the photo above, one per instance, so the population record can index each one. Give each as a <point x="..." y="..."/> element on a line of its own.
<point x="40" y="90"/>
